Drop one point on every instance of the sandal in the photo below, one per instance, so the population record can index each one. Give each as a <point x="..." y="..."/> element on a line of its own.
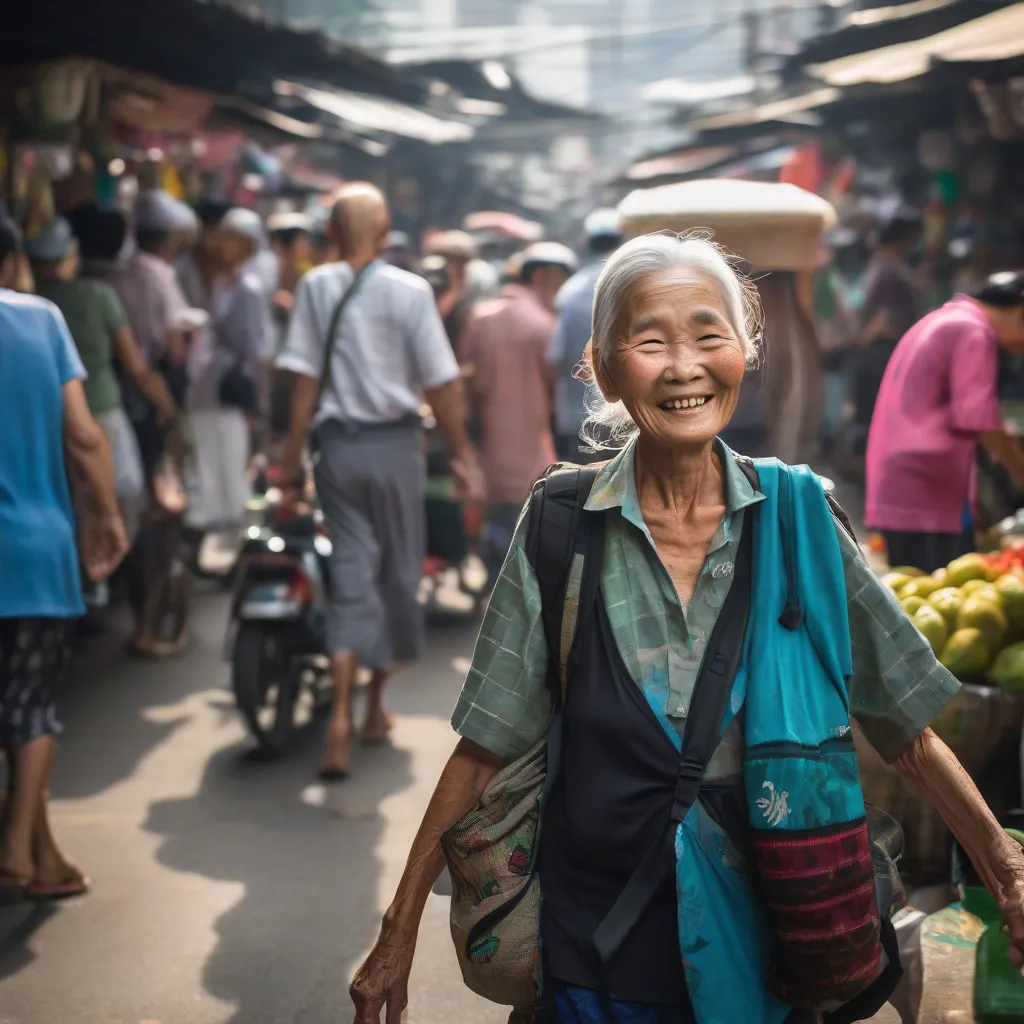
<point x="73" y="883"/>
<point x="12" y="887"/>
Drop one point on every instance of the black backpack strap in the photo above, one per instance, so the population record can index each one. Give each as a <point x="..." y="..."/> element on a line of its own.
<point x="564" y="546"/>
<point x="701" y="737"/>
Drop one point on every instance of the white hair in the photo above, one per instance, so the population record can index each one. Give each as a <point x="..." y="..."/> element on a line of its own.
<point x="609" y="425"/>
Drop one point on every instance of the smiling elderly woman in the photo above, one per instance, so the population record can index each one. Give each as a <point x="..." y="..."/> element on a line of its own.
<point x="706" y="852"/>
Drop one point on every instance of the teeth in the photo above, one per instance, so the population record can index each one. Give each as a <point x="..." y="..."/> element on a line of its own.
<point x="685" y="403"/>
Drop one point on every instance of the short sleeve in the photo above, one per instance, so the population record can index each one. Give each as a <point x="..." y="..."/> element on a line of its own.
<point x="505" y="705"/>
<point x="431" y="350"/>
<point x="69" y="362"/>
<point x="897" y="686"/>
<point x="303" y="349"/>
<point x="558" y="346"/>
<point x="973" y="377"/>
<point x="114" y="316"/>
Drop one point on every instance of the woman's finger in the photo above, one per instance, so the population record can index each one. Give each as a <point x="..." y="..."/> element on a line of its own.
<point x="368" y="1006"/>
<point x="397" y="999"/>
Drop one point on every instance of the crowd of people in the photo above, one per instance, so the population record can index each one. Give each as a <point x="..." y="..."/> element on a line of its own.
<point x="196" y="336"/>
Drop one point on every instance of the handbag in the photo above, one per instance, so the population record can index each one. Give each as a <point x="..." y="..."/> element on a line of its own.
<point x="237" y="389"/>
<point x="331" y="340"/>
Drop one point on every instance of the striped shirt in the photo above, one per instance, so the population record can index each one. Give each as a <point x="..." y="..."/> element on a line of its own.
<point x="391" y="344"/>
<point x="897" y="687"/>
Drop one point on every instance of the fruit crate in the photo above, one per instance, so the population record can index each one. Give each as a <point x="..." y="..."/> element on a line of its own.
<point x="982" y="726"/>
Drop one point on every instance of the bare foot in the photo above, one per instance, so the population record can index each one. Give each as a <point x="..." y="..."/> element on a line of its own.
<point x="15" y="872"/>
<point x="335" y="761"/>
<point x="378" y="726"/>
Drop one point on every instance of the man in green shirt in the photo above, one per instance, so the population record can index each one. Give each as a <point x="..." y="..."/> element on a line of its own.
<point x="100" y="330"/>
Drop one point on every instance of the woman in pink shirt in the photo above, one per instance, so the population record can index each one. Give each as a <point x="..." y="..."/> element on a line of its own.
<point x="937" y="402"/>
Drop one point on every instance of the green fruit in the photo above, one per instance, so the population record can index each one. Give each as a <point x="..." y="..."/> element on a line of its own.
<point x="966" y="654"/>
<point x="1007" y="670"/>
<point x="932" y="626"/>
<point x="907" y="570"/>
<point x="895" y="580"/>
<point x="948" y="601"/>
<point x="941" y="576"/>
<point x="969" y="567"/>
<point x="912" y="605"/>
<point x="1011" y="595"/>
<point x="979" y="613"/>
<point x="924" y="586"/>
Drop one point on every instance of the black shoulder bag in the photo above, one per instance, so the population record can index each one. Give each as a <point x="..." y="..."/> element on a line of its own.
<point x="331" y="340"/>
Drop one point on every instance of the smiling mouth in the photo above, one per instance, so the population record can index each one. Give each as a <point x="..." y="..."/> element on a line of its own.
<point x="679" y="404"/>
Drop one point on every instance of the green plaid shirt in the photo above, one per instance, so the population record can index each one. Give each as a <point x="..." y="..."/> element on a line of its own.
<point x="896" y="689"/>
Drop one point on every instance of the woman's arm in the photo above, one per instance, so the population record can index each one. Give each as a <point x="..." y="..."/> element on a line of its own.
<point x="382" y="981"/>
<point x="87" y="448"/>
<point x="148" y="381"/>
<point x="933" y="769"/>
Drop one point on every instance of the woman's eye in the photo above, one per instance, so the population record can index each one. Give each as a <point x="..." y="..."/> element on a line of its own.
<point x="711" y="337"/>
<point x="650" y="341"/>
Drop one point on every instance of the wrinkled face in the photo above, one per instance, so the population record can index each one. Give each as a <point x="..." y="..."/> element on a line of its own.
<point x="678" y="364"/>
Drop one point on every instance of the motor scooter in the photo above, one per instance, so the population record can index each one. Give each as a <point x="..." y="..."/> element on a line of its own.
<point x="279" y="669"/>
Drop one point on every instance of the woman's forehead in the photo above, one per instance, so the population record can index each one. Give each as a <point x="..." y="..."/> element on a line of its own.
<point x="679" y="294"/>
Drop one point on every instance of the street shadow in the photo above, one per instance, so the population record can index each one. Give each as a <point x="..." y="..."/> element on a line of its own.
<point x="306" y="856"/>
<point x="107" y="694"/>
<point x="18" y="924"/>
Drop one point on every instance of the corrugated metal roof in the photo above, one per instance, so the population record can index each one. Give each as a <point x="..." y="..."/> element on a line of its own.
<point x="995" y="36"/>
<point x="378" y="114"/>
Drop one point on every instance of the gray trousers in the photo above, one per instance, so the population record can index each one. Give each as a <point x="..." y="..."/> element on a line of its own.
<point x="370" y="486"/>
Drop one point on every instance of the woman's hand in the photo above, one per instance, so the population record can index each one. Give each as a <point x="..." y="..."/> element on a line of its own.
<point x="107" y="546"/>
<point x="1010" y="895"/>
<point x="382" y="983"/>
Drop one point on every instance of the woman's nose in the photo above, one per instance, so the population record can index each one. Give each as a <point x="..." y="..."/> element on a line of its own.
<point x="683" y="365"/>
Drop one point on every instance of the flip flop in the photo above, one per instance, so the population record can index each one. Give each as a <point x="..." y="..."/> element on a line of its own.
<point x="74" y="883"/>
<point x="332" y="774"/>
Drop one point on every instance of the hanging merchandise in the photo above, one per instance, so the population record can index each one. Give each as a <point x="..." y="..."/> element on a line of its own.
<point x="50" y="105"/>
<point x="935" y="150"/>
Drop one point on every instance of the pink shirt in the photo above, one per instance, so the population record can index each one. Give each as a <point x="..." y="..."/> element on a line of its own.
<point x="506" y="343"/>
<point x="938" y="394"/>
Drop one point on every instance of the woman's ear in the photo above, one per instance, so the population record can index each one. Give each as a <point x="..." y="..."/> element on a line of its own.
<point x="599" y="374"/>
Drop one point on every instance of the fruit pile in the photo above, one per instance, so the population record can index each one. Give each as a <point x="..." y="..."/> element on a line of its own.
<point x="972" y="614"/>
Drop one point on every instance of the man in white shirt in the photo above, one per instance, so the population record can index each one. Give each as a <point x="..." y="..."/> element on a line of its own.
<point x="389" y="351"/>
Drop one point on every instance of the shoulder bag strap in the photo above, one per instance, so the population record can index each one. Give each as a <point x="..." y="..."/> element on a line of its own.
<point x="335" y="323"/>
<point x="701" y="737"/>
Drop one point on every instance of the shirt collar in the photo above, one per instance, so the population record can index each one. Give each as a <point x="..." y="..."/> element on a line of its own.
<point x="615" y="485"/>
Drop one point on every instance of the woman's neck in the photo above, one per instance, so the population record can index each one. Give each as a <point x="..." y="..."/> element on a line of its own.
<point x="679" y="481"/>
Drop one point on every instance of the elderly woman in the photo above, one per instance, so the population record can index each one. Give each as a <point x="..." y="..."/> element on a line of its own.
<point x="772" y="915"/>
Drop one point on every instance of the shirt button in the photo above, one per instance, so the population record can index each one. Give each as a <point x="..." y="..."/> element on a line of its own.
<point x="681" y="710"/>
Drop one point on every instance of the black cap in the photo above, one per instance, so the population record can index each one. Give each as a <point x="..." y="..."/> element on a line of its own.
<point x="1004" y="289"/>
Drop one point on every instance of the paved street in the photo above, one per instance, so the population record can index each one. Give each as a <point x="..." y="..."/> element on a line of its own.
<point x="226" y="889"/>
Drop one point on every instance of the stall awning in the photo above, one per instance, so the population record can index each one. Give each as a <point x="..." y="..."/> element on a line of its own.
<point x="993" y="37"/>
<point x="205" y="45"/>
<point x="680" y="164"/>
<point x="778" y="110"/>
<point x="377" y="114"/>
